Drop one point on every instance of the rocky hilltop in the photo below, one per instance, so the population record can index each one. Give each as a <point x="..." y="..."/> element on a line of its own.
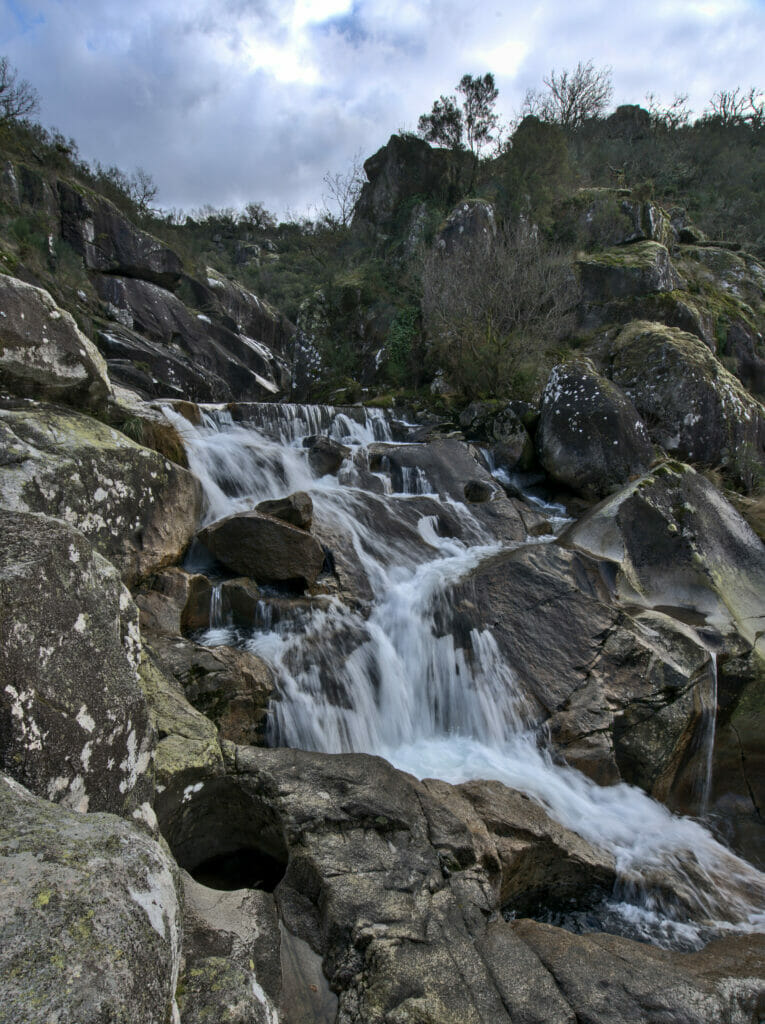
<point x="439" y="708"/>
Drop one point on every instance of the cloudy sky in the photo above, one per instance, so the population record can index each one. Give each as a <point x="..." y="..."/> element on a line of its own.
<point x="227" y="101"/>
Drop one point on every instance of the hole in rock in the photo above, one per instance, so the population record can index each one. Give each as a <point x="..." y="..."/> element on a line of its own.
<point x="224" y="834"/>
<point x="247" y="868"/>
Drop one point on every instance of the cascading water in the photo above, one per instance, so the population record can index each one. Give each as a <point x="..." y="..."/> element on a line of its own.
<point x="389" y="679"/>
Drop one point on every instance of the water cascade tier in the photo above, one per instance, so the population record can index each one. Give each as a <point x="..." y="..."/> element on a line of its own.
<point x="384" y="664"/>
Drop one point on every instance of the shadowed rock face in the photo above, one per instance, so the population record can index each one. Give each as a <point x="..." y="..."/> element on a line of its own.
<point x="74" y="725"/>
<point x="590" y="436"/>
<point x="109" y="243"/>
<point x="638" y="269"/>
<point x="90" y="917"/>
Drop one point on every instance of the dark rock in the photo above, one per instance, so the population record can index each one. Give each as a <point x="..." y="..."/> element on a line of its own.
<point x="478" y="491"/>
<point x="267" y="549"/>
<point x="396" y="885"/>
<point x="109" y="243"/>
<point x="406" y="167"/>
<point x="176" y="602"/>
<point x="136" y="508"/>
<point x="180" y="346"/>
<point x="246" y="313"/>
<point x="74" y="725"/>
<point x="296" y="508"/>
<point x="90" y="919"/>
<point x="325" y="455"/>
<point x="230" y="687"/>
<point x="590" y="436"/>
<point x="42" y="351"/>
<point x="695" y="408"/>
<point x="621" y="696"/>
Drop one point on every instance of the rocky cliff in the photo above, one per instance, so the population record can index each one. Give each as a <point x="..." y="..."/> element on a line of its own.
<point x="345" y="714"/>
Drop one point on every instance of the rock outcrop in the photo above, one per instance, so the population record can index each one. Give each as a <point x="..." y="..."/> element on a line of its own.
<point x="42" y="351"/>
<point x="696" y="409"/>
<point x="628" y="270"/>
<point x="74" y="724"/>
<point x="138" y="509"/>
<point x="590" y="436"/>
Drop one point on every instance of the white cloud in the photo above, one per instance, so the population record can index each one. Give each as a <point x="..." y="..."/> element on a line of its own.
<point x="234" y="100"/>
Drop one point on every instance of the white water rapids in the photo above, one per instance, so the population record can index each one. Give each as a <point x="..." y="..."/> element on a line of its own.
<point x="388" y="680"/>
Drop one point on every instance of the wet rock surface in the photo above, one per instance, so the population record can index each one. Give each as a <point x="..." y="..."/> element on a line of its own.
<point x="396" y="884"/>
<point x="267" y="549"/>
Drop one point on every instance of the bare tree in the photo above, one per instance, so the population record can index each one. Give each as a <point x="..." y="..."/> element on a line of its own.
<point x="571" y="97"/>
<point x="489" y="306"/>
<point x="18" y="98"/>
<point x="343" y="190"/>
<point x="737" y="106"/>
<point x="676" y="115"/>
<point x="142" y="189"/>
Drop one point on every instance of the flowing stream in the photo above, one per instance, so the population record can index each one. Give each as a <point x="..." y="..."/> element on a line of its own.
<point x="383" y="676"/>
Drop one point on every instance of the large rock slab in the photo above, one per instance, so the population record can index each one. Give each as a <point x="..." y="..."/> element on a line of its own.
<point x="193" y="354"/>
<point x="42" y="351"/>
<point x="622" y="697"/>
<point x="74" y="724"/>
<point x="267" y="549"/>
<point x="676" y="542"/>
<point x="696" y="409"/>
<point x="138" y="509"/>
<point x="590" y="436"/>
<point x="638" y="269"/>
<point x="109" y="243"/>
<point x="90" y="918"/>
<point x="396" y="886"/>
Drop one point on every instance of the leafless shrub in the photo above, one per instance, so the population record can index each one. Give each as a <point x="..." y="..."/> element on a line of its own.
<point x="493" y="306"/>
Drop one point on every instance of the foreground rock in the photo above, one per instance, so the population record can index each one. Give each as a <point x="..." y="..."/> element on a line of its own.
<point x="231" y="966"/>
<point x="267" y="549"/>
<point x="396" y="885"/>
<point x="42" y="351"/>
<point x="138" y="509"/>
<point x="89" y="917"/>
<point x="296" y="508"/>
<point x="74" y="724"/>
<point x="590" y="435"/>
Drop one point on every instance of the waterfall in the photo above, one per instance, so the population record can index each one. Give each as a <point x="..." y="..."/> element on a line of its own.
<point x="396" y="677"/>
